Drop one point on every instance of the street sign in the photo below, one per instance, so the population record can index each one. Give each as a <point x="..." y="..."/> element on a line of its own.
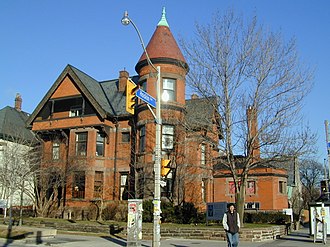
<point x="143" y="95"/>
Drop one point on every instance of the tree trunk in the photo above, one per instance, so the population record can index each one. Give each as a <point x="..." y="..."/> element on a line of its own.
<point x="240" y="200"/>
<point x="21" y="205"/>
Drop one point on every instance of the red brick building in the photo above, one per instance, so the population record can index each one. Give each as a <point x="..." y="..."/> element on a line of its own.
<point x="109" y="153"/>
<point x="266" y="187"/>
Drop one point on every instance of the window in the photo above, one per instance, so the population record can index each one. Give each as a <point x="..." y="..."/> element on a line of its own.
<point x="100" y="144"/>
<point x="143" y="85"/>
<point x="75" y="111"/>
<point x="251" y="187"/>
<point x="56" y="151"/>
<point x="78" y="185"/>
<point x="98" y="184"/>
<point x="231" y="189"/>
<point x="125" y="137"/>
<point x="203" y="148"/>
<point x="142" y="142"/>
<point x="123" y="186"/>
<point x="81" y="144"/>
<point x="168" y="90"/>
<point x="282" y="187"/>
<point x="252" y="205"/>
<point x="167" y="137"/>
<point x="204" y="190"/>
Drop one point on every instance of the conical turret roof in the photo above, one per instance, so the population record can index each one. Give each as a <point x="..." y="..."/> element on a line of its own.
<point x="162" y="47"/>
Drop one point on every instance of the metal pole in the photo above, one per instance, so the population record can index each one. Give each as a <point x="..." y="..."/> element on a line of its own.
<point x="157" y="210"/>
<point x="156" y="201"/>
<point x="328" y="151"/>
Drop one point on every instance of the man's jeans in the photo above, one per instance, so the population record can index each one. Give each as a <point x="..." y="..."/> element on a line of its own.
<point x="232" y="239"/>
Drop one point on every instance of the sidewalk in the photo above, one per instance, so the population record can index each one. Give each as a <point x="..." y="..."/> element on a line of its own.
<point x="299" y="238"/>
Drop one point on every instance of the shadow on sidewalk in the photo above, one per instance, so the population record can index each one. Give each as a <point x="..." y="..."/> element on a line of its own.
<point x="119" y="241"/>
<point x="299" y="236"/>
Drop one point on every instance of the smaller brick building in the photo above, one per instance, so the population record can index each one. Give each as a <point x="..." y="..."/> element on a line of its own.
<point x="266" y="187"/>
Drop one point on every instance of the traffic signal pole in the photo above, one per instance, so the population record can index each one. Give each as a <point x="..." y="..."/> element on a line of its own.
<point x="157" y="166"/>
<point x="156" y="201"/>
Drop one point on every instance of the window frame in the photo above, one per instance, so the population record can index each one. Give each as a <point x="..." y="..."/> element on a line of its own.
<point x="282" y="187"/>
<point x="79" y="185"/>
<point x="81" y="145"/>
<point x="100" y="142"/>
<point x="168" y="133"/>
<point x="98" y="184"/>
<point x="76" y="111"/>
<point x="123" y="189"/>
<point x="203" y="154"/>
<point x="56" y="150"/>
<point x="169" y="90"/>
<point x="125" y="137"/>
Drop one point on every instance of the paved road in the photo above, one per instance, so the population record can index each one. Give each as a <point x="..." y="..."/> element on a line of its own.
<point x="296" y="239"/>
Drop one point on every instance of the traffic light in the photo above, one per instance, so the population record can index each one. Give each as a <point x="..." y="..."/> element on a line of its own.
<point x="131" y="89"/>
<point x="323" y="187"/>
<point x="165" y="168"/>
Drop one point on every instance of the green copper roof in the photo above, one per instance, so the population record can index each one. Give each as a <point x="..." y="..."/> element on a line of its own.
<point x="163" y="21"/>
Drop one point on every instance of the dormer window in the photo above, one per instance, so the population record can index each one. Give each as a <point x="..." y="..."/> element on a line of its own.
<point x="75" y="111"/>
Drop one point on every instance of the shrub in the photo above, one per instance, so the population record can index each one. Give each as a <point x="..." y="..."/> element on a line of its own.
<point x="121" y="214"/>
<point x="109" y="211"/>
<point x="167" y="212"/>
<point x="186" y="213"/>
<point x="266" y="217"/>
<point x="148" y="207"/>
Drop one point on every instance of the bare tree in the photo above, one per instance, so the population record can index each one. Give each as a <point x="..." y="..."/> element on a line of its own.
<point x="311" y="173"/>
<point x="16" y="168"/>
<point x="260" y="85"/>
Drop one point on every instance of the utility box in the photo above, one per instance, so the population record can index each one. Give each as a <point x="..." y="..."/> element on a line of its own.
<point x="319" y="220"/>
<point x="134" y="222"/>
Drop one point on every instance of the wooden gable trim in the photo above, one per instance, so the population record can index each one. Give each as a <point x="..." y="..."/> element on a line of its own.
<point x="77" y="82"/>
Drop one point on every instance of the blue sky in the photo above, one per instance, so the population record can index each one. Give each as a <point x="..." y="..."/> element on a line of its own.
<point x="40" y="37"/>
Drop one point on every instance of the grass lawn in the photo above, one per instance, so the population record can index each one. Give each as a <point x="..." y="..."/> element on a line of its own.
<point x="15" y="233"/>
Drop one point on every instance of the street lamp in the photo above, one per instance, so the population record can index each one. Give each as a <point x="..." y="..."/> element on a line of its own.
<point x="156" y="230"/>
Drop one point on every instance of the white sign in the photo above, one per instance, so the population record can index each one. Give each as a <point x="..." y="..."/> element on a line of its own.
<point x="288" y="211"/>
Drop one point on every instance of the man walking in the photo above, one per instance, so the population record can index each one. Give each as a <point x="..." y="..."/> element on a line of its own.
<point x="231" y="224"/>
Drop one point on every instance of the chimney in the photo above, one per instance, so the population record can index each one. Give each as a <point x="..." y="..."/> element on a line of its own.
<point x="18" y="102"/>
<point x="123" y="76"/>
<point x="194" y="96"/>
<point x="252" y="133"/>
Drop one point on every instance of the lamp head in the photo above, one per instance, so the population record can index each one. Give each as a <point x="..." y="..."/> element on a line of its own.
<point x="125" y="20"/>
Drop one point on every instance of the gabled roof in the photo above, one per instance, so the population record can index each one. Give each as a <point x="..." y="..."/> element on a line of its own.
<point x="104" y="96"/>
<point x="13" y="125"/>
